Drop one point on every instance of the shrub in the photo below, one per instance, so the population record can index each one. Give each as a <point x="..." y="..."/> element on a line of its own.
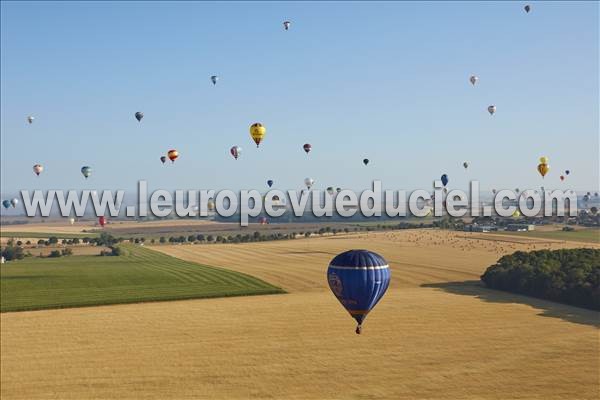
<point x="55" y="253"/>
<point x="12" y="253"/>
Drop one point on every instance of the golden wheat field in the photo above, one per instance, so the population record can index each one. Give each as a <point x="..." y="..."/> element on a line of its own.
<point x="435" y="335"/>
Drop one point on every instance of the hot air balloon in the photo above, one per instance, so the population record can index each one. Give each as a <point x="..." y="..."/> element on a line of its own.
<point x="30" y="119"/>
<point x="163" y="159"/>
<point x="102" y="221"/>
<point x="235" y="151"/>
<point x="444" y="179"/>
<point x="365" y="161"/>
<point x="307" y="147"/>
<point x="330" y="190"/>
<point x="527" y="8"/>
<point x="38" y="169"/>
<point x="309" y="182"/>
<point x="567" y="172"/>
<point x="173" y="155"/>
<point x="263" y="220"/>
<point x="494" y="191"/>
<point x="491" y="110"/>
<point x="71" y="221"/>
<point x="589" y="193"/>
<point x="544" y="160"/>
<point x="562" y="178"/>
<point x="270" y="182"/>
<point x="257" y="132"/>
<point x="594" y="210"/>
<point x="286" y="25"/>
<point x="214" y="79"/>
<point x="359" y="279"/>
<point x="596" y="194"/>
<point x="14" y="202"/>
<point x="517" y="190"/>
<point x="86" y="171"/>
<point x="465" y="165"/>
<point x="473" y="79"/>
<point x="210" y="205"/>
<point x="543" y="169"/>
<point x="139" y="115"/>
<point x="338" y="190"/>
<point x="6" y="203"/>
<point x="516" y="214"/>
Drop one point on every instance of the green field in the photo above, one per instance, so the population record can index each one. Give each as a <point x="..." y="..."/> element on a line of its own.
<point x="139" y="275"/>
<point x="42" y="235"/>
<point x="581" y="235"/>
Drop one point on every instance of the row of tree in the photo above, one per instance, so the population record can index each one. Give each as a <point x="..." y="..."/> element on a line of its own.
<point x="568" y="276"/>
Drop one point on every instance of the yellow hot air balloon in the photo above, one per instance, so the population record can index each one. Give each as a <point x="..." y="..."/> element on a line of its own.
<point x="257" y="132"/>
<point x="544" y="160"/>
<point x="516" y="214"/>
<point x="543" y="169"/>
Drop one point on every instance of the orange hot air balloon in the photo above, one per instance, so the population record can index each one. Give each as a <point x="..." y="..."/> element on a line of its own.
<point x="543" y="169"/>
<point x="102" y="221"/>
<point x="173" y="154"/>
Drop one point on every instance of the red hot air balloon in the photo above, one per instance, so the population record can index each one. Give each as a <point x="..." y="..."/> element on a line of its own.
<point x="102" y="221"/>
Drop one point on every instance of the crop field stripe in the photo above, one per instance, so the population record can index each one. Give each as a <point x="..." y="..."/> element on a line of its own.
<point x="139" y="275"/>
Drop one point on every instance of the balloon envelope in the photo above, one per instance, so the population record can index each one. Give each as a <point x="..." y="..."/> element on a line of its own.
<point x="139" y="115"/>
<point x="309" y="182"/>
<point x="235" y="151"/>
<point x="173" y="155"/>
<point x="473" y="79"/>
<point x="6" y="203"/>
<point x="270" y="182"/>
<point x="366" y="161"/>
<point x="257" y="132"/>
<point x="102" y="221"/>
<point x="163" y="159"/>
<point x="30" y="119"/>
<point x="491" y="110"/>
<point x="543" y="169"/>
<point x="358" y="279"/>
<point x="307" y="147"/>
<point x="214" y="79"/>
<point x="86" y="171"/>
<point x="14" y="202"/>
<point x="444" y="179"/>
<point x="38" y="169"/>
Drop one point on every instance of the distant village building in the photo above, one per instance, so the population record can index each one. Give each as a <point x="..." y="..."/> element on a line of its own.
<point x="480" y="228"/>
<point x="520" y="227"/>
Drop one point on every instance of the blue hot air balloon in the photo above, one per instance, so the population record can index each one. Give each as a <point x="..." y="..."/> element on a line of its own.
<point x="86" y="171"/>
<point x="270" y="182"/>
<point x="444" y="179"/>
<point x="359" y="279"/>
<point x="6" y="203"/>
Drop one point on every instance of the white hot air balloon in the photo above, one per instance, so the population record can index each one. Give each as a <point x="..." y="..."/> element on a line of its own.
<point x="286" y="25"/>
<point x="38" y="169"/>
<point x="30" y="119"/>
<point x="309" y="182"/>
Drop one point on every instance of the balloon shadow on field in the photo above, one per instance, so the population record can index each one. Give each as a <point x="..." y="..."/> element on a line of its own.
<point x="548" y="308"/>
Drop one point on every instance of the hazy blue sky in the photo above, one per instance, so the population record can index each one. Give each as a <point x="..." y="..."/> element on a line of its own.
<point x="387" y="81"/>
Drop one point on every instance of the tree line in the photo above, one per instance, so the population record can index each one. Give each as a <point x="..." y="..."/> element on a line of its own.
<point x="570" y="276"/>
